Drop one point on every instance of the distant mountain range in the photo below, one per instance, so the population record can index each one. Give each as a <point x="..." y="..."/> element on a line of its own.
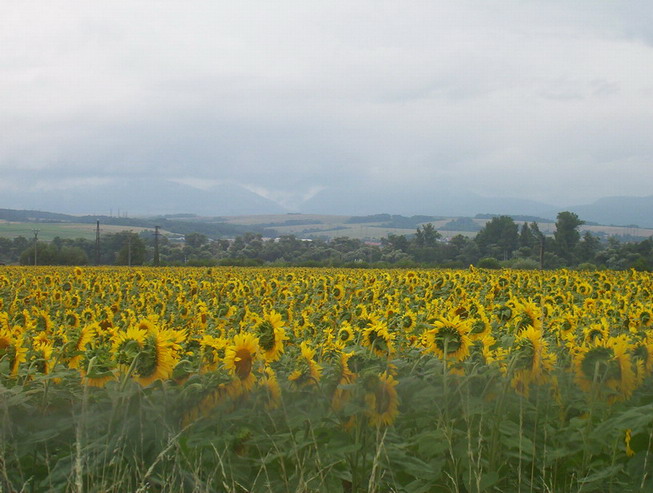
<point x="158" y="197"/>
<point x="619" y="211"/>
<point x="142" y="197"/>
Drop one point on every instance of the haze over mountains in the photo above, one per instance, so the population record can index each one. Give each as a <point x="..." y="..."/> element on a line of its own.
<point x="154" y="197"/>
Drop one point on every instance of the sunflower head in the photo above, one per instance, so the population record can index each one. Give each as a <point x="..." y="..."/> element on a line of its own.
<point x="605" y="369"/>
<point x="381" y="400"/>
<point x="345" y="334"/>
<point x="378" y="339"/>
<point x="449" y="338"/>
<point x="271" y="334"/>
<point x="240" y="357"/>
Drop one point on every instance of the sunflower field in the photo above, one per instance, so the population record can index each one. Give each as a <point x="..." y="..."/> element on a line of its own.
<point x="271" y="379"/>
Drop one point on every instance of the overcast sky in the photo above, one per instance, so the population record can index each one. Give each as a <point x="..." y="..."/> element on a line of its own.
<point x="549" y="100"/>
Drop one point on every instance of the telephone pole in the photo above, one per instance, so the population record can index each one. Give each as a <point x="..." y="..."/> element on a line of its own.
<point x="97" y="243"/>
<point x="156" y="245"/>
<point x="129" y="249"/>
<point x="36" y="238"/>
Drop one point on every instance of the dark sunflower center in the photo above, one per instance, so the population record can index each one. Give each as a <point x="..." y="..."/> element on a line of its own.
<point x="344" y="335"/>
<point x="478" y="327"/>
<point x="243" y="363"/>
<point x="594" y="334"/>
<point x="462" y="312"/>
<point x="377" y="341"/>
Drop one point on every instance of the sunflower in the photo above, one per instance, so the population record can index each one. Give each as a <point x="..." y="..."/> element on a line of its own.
<point x="307" y="370"/>
<point x="381" y="401"/>
<point x="378" y="339"/>
<point x="271" y="388"/>
<point x="527" y="314"/>
<point x="213" y="350"/>
<point x="345" y="334"/>
<point x="43" y="321"/>
<point x="479" y="325"/>
<point x="97" y="366"/>
<point x="71" y="318"/>
<point x="271" y="334"/>
<point x="42" y="357"/>
<point x="596" y="331"/>
<point x="11" y="347"/>
<point x="156" y="358"/>
<point x="407" y="320"/>
<point x="240" y="357"/>
<point x="88" y="315"/>
<point x="605" y="369"/>
<point x="642" y="353"/>
<point x="84" y="338"/>
<point x="644" y="317"/>
<point x="128" y="344"/>
<point x="531" y="360"/>
<point x="337" y="291"/>
<point x="450" y="336"/>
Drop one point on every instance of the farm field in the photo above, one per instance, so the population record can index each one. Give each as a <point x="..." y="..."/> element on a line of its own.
<point x="333" y="226"/>
<point x="370" y="228"/>
<point x="48" y="231"/>
<point x="270" y="379"/>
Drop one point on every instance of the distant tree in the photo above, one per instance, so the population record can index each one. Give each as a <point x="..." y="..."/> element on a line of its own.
<point x="196" y="240"/>
<point x="527" y="238"/>
<point x="587" y="247"/>
<point x="499" y="237"/>
<point x="425" y="247"/>
<point x="54" y="254"/>
<point x="396" y="242"/>
<point x="426" y="236"/>
<point x="132" y="250"/>
<point x="566" y="234"/>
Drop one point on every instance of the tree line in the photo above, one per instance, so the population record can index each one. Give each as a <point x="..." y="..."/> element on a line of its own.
<point x="500" y="243"/>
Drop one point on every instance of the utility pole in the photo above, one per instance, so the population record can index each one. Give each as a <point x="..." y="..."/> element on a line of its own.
<point x="129" y="249"/>
<point x="36" y="238"/>
<point x="156" y="245"/>
<point x="97" y="243"/>
<point x="542" y="252"/>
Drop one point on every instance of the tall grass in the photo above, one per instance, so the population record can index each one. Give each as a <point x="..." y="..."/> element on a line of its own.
<point x="454" y="433"/>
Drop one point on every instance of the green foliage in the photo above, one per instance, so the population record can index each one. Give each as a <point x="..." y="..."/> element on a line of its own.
<point x="454" y="433"/>
<point x="489" y="263"/>
<point x="566" y="234"/>
<point x="53" y="254"/>
<point x="499" y="237"/>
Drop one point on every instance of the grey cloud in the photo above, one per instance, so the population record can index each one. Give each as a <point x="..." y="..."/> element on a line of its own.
<point x="292" y="98"/>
